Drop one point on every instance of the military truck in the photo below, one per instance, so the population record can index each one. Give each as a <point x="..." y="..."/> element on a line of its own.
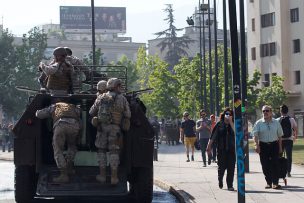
<point x="34" y="161"/>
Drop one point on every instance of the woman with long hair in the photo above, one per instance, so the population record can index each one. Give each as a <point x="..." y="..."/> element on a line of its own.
<point x="224" y="136"/>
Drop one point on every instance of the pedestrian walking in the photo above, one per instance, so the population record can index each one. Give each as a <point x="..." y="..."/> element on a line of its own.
<point x="213" y="123"/>
<point x="5" y="138"/>
<point x="290" y="133"/>
<point x="187" y="134"/>
<point x="268" y="134"/>
<point x="203" y="129"/>
<point x="223" y="134"/>
<point x="66" y="127"/>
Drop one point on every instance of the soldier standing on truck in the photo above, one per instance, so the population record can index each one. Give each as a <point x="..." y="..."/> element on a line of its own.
<point x="113" y="113"/>
<point x="78" y="68"/>
<point x="59" y="74"/>
<point x="66" y="126"/>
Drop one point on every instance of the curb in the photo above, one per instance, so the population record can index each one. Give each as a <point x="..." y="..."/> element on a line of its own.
<point x="181" y="195"/>
<point x="5" y="158"/>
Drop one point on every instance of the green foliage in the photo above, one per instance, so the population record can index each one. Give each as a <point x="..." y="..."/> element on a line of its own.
<point x="18" y="67"/>
<point x="189" y="90"/>
<point x="253" y="92"/>
<point x="274" y="95"/>
<point x="153" y="73"/>
<point x="88" y="59"/>
<point x="174" y="45"/>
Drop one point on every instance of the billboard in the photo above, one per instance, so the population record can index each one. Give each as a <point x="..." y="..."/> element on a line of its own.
<point x="107" y="19"/>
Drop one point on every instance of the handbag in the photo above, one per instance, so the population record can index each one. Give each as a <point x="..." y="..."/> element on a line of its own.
<point x="197" y="145"/>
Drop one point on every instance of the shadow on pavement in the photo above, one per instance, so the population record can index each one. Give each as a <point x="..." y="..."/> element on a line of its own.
<point x="264" y="191"/>
<point x="293" y="188"/>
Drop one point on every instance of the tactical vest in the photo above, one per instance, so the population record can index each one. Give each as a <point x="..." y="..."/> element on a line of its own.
<point x="64" y="110"/>
<point x="109" y="112"/>
<point x="61" y="79"/>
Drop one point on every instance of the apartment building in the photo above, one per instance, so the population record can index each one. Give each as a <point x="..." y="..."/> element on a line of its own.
<point x="275" y="39"/>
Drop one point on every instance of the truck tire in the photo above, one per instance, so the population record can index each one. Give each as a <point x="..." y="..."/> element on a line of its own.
<point x="24" y="184"/>
<point x="141" y="186"/>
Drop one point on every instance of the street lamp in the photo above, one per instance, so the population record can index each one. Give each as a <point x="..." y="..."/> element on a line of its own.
<point x="202" y="7"/>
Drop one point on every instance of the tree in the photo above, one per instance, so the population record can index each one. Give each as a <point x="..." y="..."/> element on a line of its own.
<point x="18" y="67"/>
<point x="253" y="92"/>
<point x="188" y="80"/>
<point x="174" y="45"/>
<point x="154" y="73"/>
<point x="273" y="95"/>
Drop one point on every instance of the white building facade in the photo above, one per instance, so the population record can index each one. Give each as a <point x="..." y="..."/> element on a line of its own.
<point x="274" y="39"/>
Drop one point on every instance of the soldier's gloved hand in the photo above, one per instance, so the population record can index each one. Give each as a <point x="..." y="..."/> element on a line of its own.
<point x="94" y="121"/>
<point x="125" y="124"/>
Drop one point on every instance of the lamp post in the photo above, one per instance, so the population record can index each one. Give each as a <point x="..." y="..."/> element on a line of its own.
<point x="93" y="32"/>
<point x="210" y="61"/>
<point x="225" y="53"/>
<point x="217" y="96"/>
<point x="202" y="7"/>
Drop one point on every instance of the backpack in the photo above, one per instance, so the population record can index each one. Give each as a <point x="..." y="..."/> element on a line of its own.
<point x="286" y="126"/>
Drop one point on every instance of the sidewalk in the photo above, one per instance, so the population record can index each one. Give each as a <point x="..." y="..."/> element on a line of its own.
<point x="6" y="156"/>
<point x="199" y="184"/>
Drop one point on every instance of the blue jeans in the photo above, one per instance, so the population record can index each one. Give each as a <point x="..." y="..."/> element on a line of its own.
<point x="204" y="143"/>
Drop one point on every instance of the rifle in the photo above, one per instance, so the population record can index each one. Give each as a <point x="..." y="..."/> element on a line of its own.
<point x="136" y="92"/>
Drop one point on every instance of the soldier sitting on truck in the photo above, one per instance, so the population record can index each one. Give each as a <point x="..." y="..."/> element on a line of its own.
<point x="113" y="115"/>
<point x="59" y="73"/>
<point x="66" y="126"/>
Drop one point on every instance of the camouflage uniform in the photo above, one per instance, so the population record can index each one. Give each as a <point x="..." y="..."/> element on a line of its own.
<point x="78" y="69"/>
<point x="59" y="74"/>
<point x="66" y="128"/>
<point x="112" y="110"/>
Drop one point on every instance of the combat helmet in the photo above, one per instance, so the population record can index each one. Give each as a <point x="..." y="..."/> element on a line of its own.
<point x="112" y="83"/>
<point x="102" y="85"/>
<point x="59" y="51"/>
<point x="68" y="51"/>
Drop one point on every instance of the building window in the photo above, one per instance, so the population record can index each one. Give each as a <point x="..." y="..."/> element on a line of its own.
<point x="274" y="74"/>
<point x="296" y="46"/>
<point x="268" y="19"/>
<point x="266" y="81"/>
<point x="253" y="53"/>
<point x="268" y="49"/>
<point x="294" y="15"/>
<point x="297" y="77"/>
<point x="272" y="48"/>
<point x="253" y="24"/>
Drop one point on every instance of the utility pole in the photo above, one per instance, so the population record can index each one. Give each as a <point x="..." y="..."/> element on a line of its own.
<point x="237" y="103"/>
<point x="93" y="32"/>
<point x="210" y="62"/>
<point x="244" y="85"/>
<point x="200" y="48"/>
<point x="204" y="57"/>
<point x="225" y="55"/>
<point x="217" y="96"/>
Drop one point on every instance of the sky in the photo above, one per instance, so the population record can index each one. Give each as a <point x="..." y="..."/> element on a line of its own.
<point x="144" y="17"/>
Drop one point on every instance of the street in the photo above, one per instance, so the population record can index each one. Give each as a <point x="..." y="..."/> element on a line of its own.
<point x="7" y="187"/>
<point x="7" y="180"/>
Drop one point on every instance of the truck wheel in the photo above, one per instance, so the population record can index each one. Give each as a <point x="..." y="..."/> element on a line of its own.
<point x="141" y="185"/>
<point x="24" y="184"/>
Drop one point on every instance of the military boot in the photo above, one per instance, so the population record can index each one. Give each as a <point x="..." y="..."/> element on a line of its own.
<point x="102" y="176"/>
<point x="114" y="177"/>
<point x="63" y="177"/>
<point x="70" y="168"/>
